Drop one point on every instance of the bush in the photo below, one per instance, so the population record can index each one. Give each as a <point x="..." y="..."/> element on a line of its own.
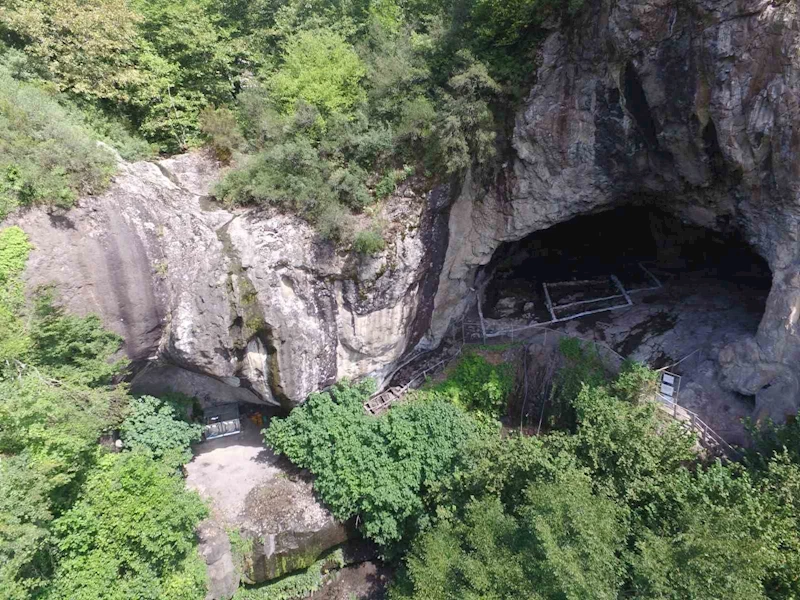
<point x="219" y="125"/>
<point x="46" y="155"/>
<point x="563" y="541"/>
<point x="621" y="508"/>
<point x="379" y="468"/>
<point x="477" y="385"/>
<point x="389" y="182"/>
<point x="369" y="241"/>
<point x="14" y="339"/>
<point x="156" y="427"/>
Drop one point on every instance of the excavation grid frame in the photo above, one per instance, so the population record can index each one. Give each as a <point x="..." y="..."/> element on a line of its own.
<point x="624" y="295"/>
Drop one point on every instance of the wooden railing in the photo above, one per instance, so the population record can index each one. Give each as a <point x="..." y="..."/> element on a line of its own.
<point x="707" y="437"/>
<point x="383" y="400"/>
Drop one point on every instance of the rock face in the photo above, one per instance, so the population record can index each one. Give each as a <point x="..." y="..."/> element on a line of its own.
<point x="244" y="297"/>
<point x="215" y="548"/>
<point x="694" y="106"/>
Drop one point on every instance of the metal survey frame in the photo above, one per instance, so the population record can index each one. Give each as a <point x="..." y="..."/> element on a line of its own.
<point x="624" y="294"/>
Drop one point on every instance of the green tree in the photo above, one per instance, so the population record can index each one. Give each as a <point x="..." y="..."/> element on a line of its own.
<point x="76" y="349"/>
<point x="561" y="543"/>
<point x="377" y="469"/>
<point x="321" y="69"/>
<point x="130" y="535"/>
<point x="157" y="428"/>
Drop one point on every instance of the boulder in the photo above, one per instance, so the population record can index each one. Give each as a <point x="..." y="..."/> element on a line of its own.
<point x="289" y="529"/>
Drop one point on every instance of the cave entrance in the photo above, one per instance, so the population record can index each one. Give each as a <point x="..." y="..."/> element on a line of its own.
<point x="642" y="282"/>
<point x="615" y="259"/>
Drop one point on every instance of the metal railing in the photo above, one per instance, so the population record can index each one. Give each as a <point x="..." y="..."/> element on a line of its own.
<point x="707" y="437"/>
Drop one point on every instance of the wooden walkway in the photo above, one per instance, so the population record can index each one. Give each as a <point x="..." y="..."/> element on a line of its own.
<point x="381" y="403"/>
<point x="706" y="437"/>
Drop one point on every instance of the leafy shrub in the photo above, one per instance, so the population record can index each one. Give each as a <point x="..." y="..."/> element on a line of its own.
<point x="222" y="130"/>
<point x="379" y="468"/>
<point x="48" y="441"/>
<point x="369" y="241"/>
<point x="582" y="366"/>
<point x="46" y="155"/>
<point x="14" y="338"/>
<point x="155" y="64"/>
<point x="389" y="182"/>
<point x="505" y="21"/>
<point x="770" y="439"/>
<point x="130" y="535"/>
<point x="156" y="427"/>
<point x="636" y="382"/>
<point x="77" y="349"/>
<point x="477" y="385"/>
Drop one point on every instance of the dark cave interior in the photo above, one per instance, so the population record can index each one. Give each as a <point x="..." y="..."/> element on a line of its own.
<point x="620" y="242"/>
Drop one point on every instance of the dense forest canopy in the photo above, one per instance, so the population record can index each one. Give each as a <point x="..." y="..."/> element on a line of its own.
<point x="324" y="106"/>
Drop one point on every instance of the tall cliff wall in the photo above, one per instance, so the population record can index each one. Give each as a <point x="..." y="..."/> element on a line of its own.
<point x="245" y="304"/>
<point x="693" y="105"/>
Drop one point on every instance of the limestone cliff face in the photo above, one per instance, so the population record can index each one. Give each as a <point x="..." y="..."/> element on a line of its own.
<point x="693" y="106"/>
<point x="229" y="305"/>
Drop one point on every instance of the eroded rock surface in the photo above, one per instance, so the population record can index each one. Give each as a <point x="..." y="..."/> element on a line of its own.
<point x="251" y="298"/>
<point x="289" y="528"/>
<point x="694" y="106"/>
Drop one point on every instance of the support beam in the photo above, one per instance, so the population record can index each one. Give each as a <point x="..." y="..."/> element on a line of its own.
<point x="549" y="302"/>
<point x="618" y="283"/>
<point x="650" y="275"/>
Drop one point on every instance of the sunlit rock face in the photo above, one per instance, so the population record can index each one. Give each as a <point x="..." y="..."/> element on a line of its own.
<point x="692" y="106"/>
<point x="245" y="301"/>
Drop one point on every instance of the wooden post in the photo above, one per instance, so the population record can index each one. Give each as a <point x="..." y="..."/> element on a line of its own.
<point x="480" y="316"/>
<point x="549" y="303"/>
<point x="618" y="283"/>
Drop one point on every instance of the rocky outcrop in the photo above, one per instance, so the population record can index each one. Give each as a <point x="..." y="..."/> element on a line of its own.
<point x="287" y="528"/>
<point x="693" y="106"/>
<point x="249" y="298"/>
<point x="215" y="548"/>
